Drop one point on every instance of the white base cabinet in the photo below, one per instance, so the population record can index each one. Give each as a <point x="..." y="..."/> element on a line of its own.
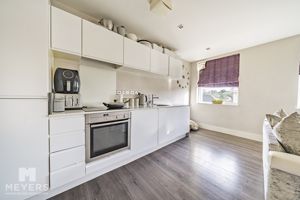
<point x="144" y="130"/>
<point x="24" y="147"/>
<point x="67" y="149"/>
<point x="173" y="122"/>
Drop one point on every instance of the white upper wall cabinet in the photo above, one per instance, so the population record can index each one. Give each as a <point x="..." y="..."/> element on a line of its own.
<point x="24" y="48"/>
<point x="101" y="44"/>
<point x="65" y="32"/>
<point x="159" y="63"/>
<point x="175" y="68"/>
<point x="136" y="55"/>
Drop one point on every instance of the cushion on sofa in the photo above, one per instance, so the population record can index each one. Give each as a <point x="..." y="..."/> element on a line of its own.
<point x="273" y="119"/>
<point x="280" y="113"/>
<point x="276" y="117"/>
<point x="287" y="132"/>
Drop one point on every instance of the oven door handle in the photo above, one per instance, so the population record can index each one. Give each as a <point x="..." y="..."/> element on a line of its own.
<point x="109" y="123"/>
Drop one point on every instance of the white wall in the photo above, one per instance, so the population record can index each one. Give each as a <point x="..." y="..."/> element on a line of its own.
<point x="98" y="82"/>
<point x="268" y="82"/>
<point x="147" y="83"/>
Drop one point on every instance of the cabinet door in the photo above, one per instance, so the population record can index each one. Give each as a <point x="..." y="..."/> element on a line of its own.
<point x="136" y="55"/>
<point x="24" y="48"/>
<point x="159" y="62"/>
<point x="175" y="68"/>
<point x="65" y="31"/>
<point x="101" y="44"/>
<point x="173" y="122"/>
<point x="24" y="146"/>
<point x="144" y="130"/>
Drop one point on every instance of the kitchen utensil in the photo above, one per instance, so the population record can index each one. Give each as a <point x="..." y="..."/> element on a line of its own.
<point x="136" y="102"/>
<point x="66" y="81"/>
<point x="119" y="98"/>
<point x="131" y="102"/>
<point x="121" y="30"/>
<point x="107" y="23"/>
<point x="115" y="28"/>
<point x="59" y="104"/>
<point x="142" y="99"/>
<point x="131" y="36"/>
<point x="114" y="105"/>
<point x="146" y="43"/>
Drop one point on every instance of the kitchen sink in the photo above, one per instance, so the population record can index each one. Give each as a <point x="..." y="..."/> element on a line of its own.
<point x="161" y="105"/>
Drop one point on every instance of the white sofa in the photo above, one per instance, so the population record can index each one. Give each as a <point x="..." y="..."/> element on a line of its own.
<point x="281" y="169"/>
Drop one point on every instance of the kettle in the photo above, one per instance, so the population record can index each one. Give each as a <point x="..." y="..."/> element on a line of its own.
<point x="142" y="99"/>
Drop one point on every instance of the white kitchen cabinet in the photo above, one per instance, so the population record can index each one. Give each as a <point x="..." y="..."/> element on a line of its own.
<point x="173" y="123"/>
<point x="24" y="48"/>
<point x="67" y="158"/>
<point x="66" y="175"/>
<point x="65" y="124"/>
<point x="67" y="149"/>
<point x="65" y="32"/>
<point x="159" y="62"/>
<point x="24" y="145"/>
<point x="175" y="68"/>
<point x="101" y="44"/>
<point x="66" y="141"/>
<point x="144" y="130"/>
<point x="136" y="55"/>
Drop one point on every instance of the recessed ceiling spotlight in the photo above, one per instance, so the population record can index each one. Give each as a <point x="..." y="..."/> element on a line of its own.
<point x="180" y="26"/>
<point x="207" y="49"/>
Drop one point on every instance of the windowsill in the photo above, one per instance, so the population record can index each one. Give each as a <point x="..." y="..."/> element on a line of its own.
<point x="223" y="104"/>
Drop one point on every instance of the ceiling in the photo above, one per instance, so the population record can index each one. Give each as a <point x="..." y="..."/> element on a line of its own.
<point x="222" y="26"/>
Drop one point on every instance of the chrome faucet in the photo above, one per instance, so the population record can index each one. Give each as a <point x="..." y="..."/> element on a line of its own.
<point x="152" y="99"/>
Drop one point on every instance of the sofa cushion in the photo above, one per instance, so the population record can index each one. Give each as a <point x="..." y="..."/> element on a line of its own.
<point x="280" y="113"/>
<point x="273" y="119"/>
<point x="276" y="117"/>
<point x="287" y="132"/>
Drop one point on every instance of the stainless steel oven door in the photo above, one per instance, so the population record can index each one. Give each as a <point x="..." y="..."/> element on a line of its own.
<point x="105" y="138"/>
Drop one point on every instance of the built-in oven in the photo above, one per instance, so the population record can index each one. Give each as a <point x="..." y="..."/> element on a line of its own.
<point x="106" y="133"/>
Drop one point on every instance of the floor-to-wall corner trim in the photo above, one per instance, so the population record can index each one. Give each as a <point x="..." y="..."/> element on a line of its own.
<point x="242" y="134"/>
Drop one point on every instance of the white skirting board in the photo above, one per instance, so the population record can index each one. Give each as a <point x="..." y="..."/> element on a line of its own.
<point x="126" y="160"/>
<point x="242" y="134"/>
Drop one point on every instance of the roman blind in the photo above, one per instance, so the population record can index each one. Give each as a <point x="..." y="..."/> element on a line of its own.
<point x="222" y="72"/>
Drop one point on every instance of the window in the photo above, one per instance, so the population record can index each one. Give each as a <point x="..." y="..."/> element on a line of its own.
<point x="228" y="95"/>
<point x="218" y="81"/>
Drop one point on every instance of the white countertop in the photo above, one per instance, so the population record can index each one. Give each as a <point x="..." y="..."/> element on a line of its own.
<point x="81" y="112"/>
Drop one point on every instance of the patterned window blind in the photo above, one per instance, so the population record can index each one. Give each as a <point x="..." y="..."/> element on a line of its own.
<point x="222" y="72"/>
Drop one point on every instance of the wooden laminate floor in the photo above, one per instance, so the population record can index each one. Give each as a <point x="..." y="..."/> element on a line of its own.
<point x="206" y="165"/>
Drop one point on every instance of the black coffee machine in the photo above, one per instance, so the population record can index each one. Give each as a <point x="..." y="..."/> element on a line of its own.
<point x="66" y="81"/>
